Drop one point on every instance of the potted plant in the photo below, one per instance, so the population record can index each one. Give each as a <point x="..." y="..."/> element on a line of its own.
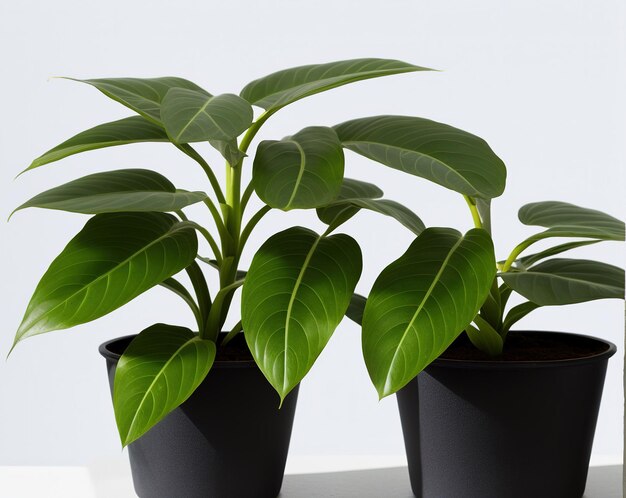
<point x="494" y="413"/>
<point x="196" y="407"/>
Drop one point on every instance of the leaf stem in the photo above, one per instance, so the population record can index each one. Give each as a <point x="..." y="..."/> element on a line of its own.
<point x="191" y="152"/>
<point x="474" y="210"/>
<point x="209" y="238"/>
<point x="232" y="334"/>
<point x="252" y="224"/>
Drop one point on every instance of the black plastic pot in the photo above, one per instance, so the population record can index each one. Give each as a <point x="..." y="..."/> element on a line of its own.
<point x="495" y="429"/>
<point x="228" y="440"/>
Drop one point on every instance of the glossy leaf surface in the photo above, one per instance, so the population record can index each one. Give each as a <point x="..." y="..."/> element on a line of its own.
<point x="531" y="259"/>
<point x="567" y="281"/>
<point x="485" y="337"/>
<point x="437" y="152"/>
<point x="568" y="220"/>
<point x="284" y="87"/>
<point x="134" y="129"/>
<point x="301" y="171"/>
<point x="422" y="301"/>
<point x="191" y="116"/>
<point x="296" y="292"/>
<point x="116" y="191"/>
<point x="159" y="370"/>
<point x="112" y="260"/>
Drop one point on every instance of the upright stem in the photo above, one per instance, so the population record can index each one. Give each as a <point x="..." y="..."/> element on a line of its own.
<point x="474" y="210"/>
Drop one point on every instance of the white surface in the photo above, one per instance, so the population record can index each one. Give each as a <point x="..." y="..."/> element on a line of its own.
<point x="355" y="481"/>
<point x="543" y="82"/>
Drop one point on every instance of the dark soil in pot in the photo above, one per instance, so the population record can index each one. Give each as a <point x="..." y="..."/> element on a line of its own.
<point x="228" y="440"/>
<point x="518" y="426"/>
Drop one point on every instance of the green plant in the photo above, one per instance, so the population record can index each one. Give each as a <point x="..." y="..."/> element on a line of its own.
<point x="415" y="327"/>
<point x="300" y="283"/>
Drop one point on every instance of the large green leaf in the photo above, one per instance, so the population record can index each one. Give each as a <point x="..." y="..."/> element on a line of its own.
<point x="116" y="191"/>
<point x="567" y="220"/>
<point x="440" y="153"/>
<point x="422" y="301"/>
<point x="142" y="95"/>
<point x="301" y="171"/>
<point x="159" y="370"/>
<point x="567" y="281"/>
<point x="340" y="210"/>
<point x="284" y="87"/>
<point x="296" y="292"/>
<point x="113" y="259"/>
<point x="191" y="116"/>
<point x="124" y="131"/>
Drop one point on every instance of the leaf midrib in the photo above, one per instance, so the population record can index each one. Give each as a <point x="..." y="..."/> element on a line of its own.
<point x="300" y="172"/>
<point x="292" y="299"/>
<point x="435" y="281"/>
<point x="157" y="376"/>
<point x="177" y="226"/>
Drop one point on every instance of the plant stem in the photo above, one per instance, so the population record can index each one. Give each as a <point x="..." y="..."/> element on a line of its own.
<point x="191" y="152"/>
<point x="517" y="250"/>
<point x="251" y="224"/>
<point x="474" y="210"/>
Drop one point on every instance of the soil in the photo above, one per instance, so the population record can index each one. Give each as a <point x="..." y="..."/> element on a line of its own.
<point x="235" y="350"/>
<point x="529" y="346"/>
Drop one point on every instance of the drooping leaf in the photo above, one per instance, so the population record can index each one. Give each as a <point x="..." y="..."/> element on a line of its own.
<point x="440" y="153"/>
<point x="422" y="301"/>
<point x="301" y="171"/>
<point x="340" y="210"/>
<point x="142" y="95"/>
<point x="567" y="220"/>
<point x="191" y="116"/>
<point x="485" y="337"/>
<point x="531" y="259"/>
<point x="383" y="206"/>
<point x="124" y="131"/>
<point x="356" y="308"/>
<point x="116" y="191"/>
<point x="159" y="370"/>
<point x="296" y="292"/>
<point x="516" y="313"/>
<point x="113" y="259"/>
<point x="181" y="291"/>
<point x="567" y="281"/>
<point x="284" y="87"/>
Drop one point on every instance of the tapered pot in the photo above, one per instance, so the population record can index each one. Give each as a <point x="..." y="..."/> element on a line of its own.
<point x="511" y="428"/>
<point x="228" y="440"/>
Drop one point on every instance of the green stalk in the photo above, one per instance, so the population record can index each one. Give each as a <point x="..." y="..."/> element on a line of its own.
<point x="474" y="210"/>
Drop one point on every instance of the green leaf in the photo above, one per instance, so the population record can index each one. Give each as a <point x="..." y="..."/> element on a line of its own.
<point x="440" y="153"/>
<point x="297" y="290"/>
<point x="567" y="281"/>
<point x="190" y="116"/>
<point x="531" y="259"/>
<point x="116" y="191"/>
<point x="422" y="301"/>
<point x="124" y="131"/>
<point x="485" y="337"/>
<point x="301" y="171"/>
<point x="356" y="308"/>
<point x="284" y="87"/>
<point x="159" y="370"/>
<point x="567" y="220"/>
<point x="340" y="210"/>
<point x="112" y="260"/>
<point x="516" y="313"/>
<point x="142" y="95"/>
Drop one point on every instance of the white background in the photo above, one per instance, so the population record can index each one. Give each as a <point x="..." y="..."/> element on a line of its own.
<point x="542" y="81"/>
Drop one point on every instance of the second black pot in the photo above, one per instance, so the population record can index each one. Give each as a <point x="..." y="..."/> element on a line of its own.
<point x="495" y="429"/>
<point x="228" y="440"/>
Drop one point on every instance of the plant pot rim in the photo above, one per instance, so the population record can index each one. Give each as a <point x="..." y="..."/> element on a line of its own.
<point x="104" y="350"/>
<point x="526" y="364"/>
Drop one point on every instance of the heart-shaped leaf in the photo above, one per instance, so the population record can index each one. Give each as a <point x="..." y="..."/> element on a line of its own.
<point x="159" y="370"/>
<point x="284" y="87"/>
<point x="116" y="191"/>
<point x="568" y="220"/>
<point x="191" y="116"/>
<point x="296" y="292"/>
<point x="124" y="131"/>
<point x="113" y="259"/>
<point x="440" y="153"/>
<point x="422" y="301"/>
<point x="567" y="281"/>
<point x="301" y="171"/>
<point x="142" y="95"/>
